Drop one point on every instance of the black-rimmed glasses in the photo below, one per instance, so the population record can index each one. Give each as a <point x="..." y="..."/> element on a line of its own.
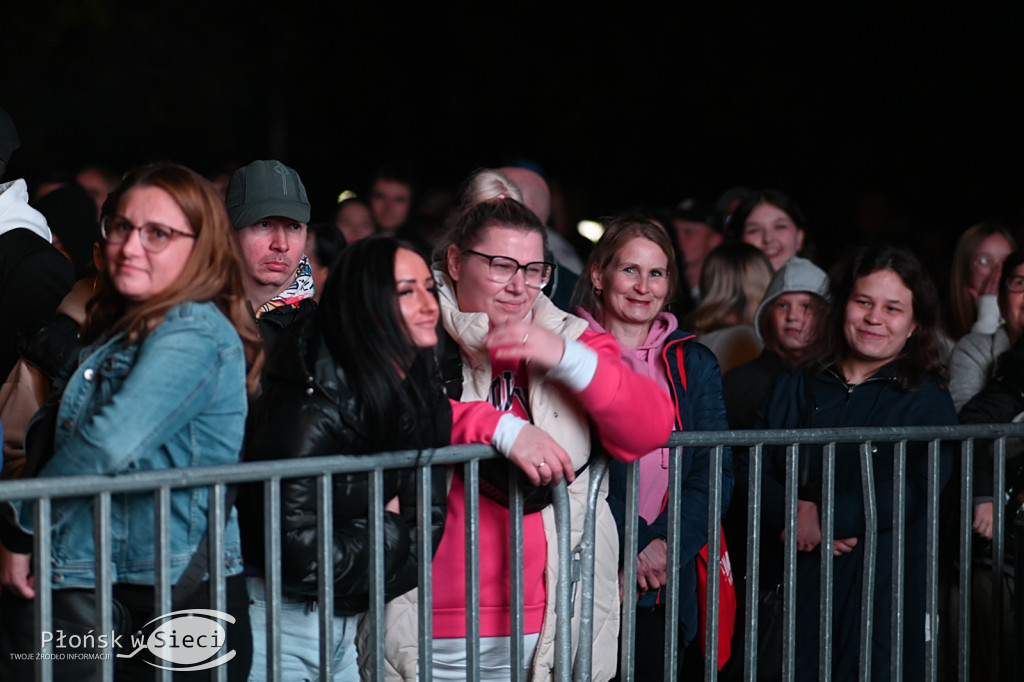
<point x="503" y="269"/>
<point x="154" y="237"/>
<point x="1015" y="284"/>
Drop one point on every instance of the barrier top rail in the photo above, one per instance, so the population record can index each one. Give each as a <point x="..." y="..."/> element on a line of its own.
<point x="245" y="472"/>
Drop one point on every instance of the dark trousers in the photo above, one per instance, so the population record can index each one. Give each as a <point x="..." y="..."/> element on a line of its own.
<point x="74" y="613"/>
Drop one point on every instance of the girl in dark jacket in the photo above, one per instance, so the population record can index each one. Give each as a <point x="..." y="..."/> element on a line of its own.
<point x="360" y="377"/>
<point x="882" y="368"/>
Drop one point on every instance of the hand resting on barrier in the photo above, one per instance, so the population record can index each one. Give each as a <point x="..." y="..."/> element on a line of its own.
<point x="540" y="457"/>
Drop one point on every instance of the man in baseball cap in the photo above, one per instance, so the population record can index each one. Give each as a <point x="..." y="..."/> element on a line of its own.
<point x="268" y="207"/>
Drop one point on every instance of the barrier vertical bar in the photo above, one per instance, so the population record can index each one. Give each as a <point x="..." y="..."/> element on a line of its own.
<point x="515" y="538"/>
<point x="931" y="658"/>
<point x="216" y="520"/>
<point x="272" y="574"/>
<point x="867" y="595"/>
<point x="583" y="663"/>
<point x="563" y="596"/>
<point x="162" y="575"/>
<point x="714" y="565"/>
<point x="963" y="643"/>
<point x="789" y="572"/>
<point x="827" y="511"/>
<point x="675" y="483"/>
<point x="899" y="535"/>
<point x="629" y="552"/>
<point x="325" y="571"/>
<point x="104" y="582"/>
<point x="472" y="473"/>
<point x="753" y="561"/>
<point x="425" y="552"/>
<point x="998" y="550"/>
<point x="43" y="585"/>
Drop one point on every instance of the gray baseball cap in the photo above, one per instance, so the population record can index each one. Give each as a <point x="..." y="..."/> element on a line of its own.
<point x="263" y="189"/>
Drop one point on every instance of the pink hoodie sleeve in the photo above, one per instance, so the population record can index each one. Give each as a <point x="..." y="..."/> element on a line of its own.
<point x="473" y="422"/>
<point x="633" y="415"/>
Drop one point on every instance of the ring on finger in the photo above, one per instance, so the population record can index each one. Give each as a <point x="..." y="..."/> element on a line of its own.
<point x="542" y="464"/>
<point x="526" y="337"/>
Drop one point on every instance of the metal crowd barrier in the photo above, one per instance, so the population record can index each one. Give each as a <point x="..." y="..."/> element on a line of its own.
<point x="575" y="563"/>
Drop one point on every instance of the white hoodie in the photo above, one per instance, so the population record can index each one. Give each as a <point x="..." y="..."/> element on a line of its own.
<point x="16" y="213"/>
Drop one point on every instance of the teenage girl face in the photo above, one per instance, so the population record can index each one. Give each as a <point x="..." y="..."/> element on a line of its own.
<point x="988" y="259"/>
<point x="793" y="320"/>
<point x="417" y="301"/>
<point x="879" y="319"/>
<point x="770" y="229"/>
<point x="143" y="267"/>
<point x="477" y="292"/>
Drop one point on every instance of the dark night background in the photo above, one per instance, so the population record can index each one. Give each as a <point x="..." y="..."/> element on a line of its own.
<point x="905" y="123"/>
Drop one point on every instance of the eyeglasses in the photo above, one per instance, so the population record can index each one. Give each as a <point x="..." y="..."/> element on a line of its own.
<point x="985" y="261"/>
<point x="154" y="237"/>
<point x="503" y="269"/>
<point x="1015" y="284"/>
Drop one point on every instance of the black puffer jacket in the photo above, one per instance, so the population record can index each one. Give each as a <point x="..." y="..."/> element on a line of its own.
<point x="307" y="409"/>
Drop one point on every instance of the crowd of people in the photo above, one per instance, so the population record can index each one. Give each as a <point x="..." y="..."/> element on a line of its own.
<point x="177" y="321"/>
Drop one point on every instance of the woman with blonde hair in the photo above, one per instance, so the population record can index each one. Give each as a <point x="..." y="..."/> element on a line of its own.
<point x="732" y="283"/>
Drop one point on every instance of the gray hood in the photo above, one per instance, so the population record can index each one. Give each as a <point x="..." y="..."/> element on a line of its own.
<point x="797" y="275"/>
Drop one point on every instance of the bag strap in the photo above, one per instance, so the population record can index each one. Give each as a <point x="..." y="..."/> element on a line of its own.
<point x="195" y="573"/>
<point x="450" y="364"/>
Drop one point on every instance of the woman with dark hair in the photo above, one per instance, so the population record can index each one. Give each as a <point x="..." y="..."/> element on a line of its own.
<point x="360" y="377"/>
<point x="630" y="275"/>
<point x="171" y="349"/>
<point x="772" y="222"/>
<point x="883" y="366"/>
<point x="516" y="349"/>
<point x="975" y="277"/>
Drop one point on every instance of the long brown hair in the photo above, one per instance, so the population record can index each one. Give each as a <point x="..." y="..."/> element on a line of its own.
<point x="963" y="309"/>
<point x="213" y="271"/>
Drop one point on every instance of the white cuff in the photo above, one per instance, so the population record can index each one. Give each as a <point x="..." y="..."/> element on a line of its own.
<point x="577" y="367"/>
<point x="988" y="315"/>
<point x="506" y="433"/>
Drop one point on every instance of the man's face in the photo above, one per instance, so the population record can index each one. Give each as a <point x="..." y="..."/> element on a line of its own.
<point x="696" y="240"/>
<point x="389" y="203"/>
<point x="271" y="250"/>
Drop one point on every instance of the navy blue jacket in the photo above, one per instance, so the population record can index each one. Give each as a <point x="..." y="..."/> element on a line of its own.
<point x="696" y="382"/>
<point x="825" y="400"/>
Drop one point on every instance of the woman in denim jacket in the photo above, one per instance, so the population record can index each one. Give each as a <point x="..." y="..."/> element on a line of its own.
<point x="162" y="383"/>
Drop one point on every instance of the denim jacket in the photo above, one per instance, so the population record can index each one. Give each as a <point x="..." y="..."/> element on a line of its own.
<point x="178" y="399"/>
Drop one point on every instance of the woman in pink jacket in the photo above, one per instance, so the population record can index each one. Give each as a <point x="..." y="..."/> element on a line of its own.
<point x="524" y="355"/>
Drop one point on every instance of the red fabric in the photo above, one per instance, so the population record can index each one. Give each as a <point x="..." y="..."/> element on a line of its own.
<point x="473" y="422"/>
<point x="726" y="601"/>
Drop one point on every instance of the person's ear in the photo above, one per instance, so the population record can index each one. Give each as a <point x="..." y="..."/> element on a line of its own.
<point x="453" y="258"/>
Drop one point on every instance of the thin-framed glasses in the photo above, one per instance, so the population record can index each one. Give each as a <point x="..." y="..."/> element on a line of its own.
<point x="1015" y="284"/>
<point x="154" y="237"/>
<point x="503" y="269"/>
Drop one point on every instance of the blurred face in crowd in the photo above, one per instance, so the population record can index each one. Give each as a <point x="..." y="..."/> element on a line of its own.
<point x="879" y="320"/>
<point x="770" y="229"/>
<point x="695" y="241"/>
<point x="476" y="289"/>
<point x="319" y="270"/>
<point x="1013" y="304"/>
<point x="354" y="220"/>
<point x="389" y="203"/>
<point x="988" y="260"/>
<point x="634" y="285"/>
<point x="794" y="322"/>
<point x="148" y="244"/>
<point x="417" y="299"/>
<point x="271" y="250"/>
